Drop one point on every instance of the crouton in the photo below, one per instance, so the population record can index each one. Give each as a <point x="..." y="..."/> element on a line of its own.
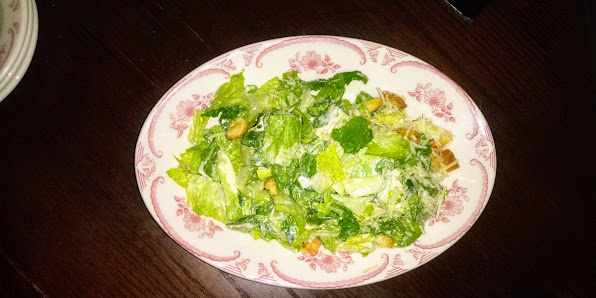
<point x="373" y="104"/>
<point x="236" y="128"/>
<point x="395" y="99"/>
<point x="412" y="135"/>
<point x="311" y="247"/>
<point x="384" y="241"/>
<point x="271" y="186"/>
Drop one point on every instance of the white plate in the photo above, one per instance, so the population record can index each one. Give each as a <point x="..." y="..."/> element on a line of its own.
<point x="428" y="92"/>
<point x="24" y="29"/>
<point x="13" y="30"/>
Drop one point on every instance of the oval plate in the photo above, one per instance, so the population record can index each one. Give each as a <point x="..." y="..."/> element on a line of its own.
<point x="427" y="91"/>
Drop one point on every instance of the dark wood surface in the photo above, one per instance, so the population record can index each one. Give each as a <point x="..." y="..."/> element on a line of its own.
<point x="73" y="222"/>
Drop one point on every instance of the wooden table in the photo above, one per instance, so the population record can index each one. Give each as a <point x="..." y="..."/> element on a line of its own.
<point x="73" y="221"/>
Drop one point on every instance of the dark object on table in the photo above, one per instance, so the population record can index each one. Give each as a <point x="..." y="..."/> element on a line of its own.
<point x="469" y="9"/>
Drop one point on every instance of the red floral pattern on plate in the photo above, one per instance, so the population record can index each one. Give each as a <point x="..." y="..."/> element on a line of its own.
<point x="185" y="109"/>
<point x="226" y="63"/>
<point x="311" y="39"/>
<point x="15" y="4"/>
<point x="396" y="267"/>
<point x="392" y="55"/>
<point x="194" y="222"/>
<point x="436" y="99"/>
<point x="263" y="271"/>
<point x="312" y="61"/>
<point x="145" y="166"/>
<point x="328" y="262"/>
<point x="422" y="255"/>
<point x="6" y="49"/>
<point x="397" y="261"/>
<point x="238" y="267"/>
<point x="372" y="50"/>
<point x="452" y="205"/>
<point x="249" y="54"/>
<point x="484" y="148"/>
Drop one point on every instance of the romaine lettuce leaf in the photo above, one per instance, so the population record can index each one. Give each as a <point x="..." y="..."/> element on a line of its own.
<point x="291" y="89"/>
<point x="206" y="197"/>
<point x="266" y="97"/>
<point x="305" y="166"/>
<point x="306" y="131"/>
<point x="217" y="135"/>
<point x="362" y="207"/>
<point x="329" y="164"/>
<point x="354" y="135"/>
<point x="334" y="88"/>
<point x="230" y="94"/>
<point x="362" y="97"/>
<point x="179" y="176"/>
<point x="244" y="176"/>
<point x="403" y="229"/>
<point x="350" y="76"/>
<point x="253" y="139"/>
<point x="334" y="118"/>
<point x="320" y="182"/>
<point x="360" y="165"/>
<point x="389" y="119"/>
<point x="197" y="127"/>
<point x="305" y="197"/>
<point x="227" y="114"/>
<point x="360" y="187"/>
<point x="282" y="136"/>
<point x="293" y="225"/>
<point x="388" y="144"/>
<point x="225" y="171"/>
<point x="363" y="243"/>
<point x="209" y="156"/>
<point x="348" y="223"/>
<point x="306" y="101"/>
<point x="235" y="154"/>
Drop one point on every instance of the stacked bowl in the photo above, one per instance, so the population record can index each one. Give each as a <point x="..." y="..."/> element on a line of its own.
<point x="18" y="38"/>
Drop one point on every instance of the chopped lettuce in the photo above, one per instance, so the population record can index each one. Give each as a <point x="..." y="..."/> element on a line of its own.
<point x="197" y="128"/>
<point x="226" y="173"/>
<point x="342" y="174"/>
<point x="236" y="155"/>
<point x="389" y="119"/>
<point x="335" y="87"/>
<point x="305" y="166"/>
<point x="226" y="114"/>
<point x="293" y="224"/>
<point x="348" y="223"/>
<point x="362" y="97"/>
<point x="360" y="187"/>
<point x="320" y="182"/>
<point x="281" y="139"/>
<point x="389" y="144"/>
<point x="230" y="94"/>
<point x="353" y="136"/>
<point x="360" y="165"/>
<point x="179" y="176"/>
<point x="329" y="164"/>
<point x="363" y="243"/>
<point x="206" y="197"/>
